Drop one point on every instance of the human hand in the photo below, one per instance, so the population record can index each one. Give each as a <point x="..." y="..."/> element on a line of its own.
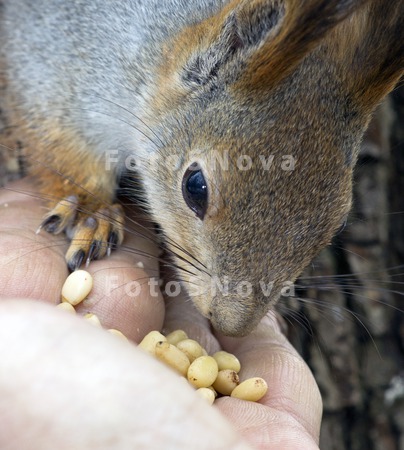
<point x="66" y="384"/>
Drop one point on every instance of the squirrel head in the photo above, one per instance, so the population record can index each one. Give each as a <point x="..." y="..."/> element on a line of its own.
<point x="262" y="108"/>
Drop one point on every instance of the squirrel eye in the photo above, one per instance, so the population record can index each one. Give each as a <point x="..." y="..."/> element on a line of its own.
<point x="195" y="190"/>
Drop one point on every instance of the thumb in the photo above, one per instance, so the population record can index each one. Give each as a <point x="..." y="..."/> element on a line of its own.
<point x="292" y="390"/>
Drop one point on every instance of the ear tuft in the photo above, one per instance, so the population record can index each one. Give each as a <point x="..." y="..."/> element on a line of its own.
<point x="242" y="26"/>
<point x="203" y="66"/>
<point x="257" y="21"/>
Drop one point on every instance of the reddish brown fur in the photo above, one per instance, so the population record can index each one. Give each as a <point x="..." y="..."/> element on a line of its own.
<point x="56" y="164"/>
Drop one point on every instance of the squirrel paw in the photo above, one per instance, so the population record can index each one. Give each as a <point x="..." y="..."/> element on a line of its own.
<point x="93" y="234"/>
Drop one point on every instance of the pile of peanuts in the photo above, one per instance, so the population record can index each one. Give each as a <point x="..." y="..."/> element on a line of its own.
<point x="211" y="376"/>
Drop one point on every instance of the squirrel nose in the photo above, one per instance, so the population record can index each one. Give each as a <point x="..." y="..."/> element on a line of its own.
<point x="234" y="316"/>
<point x="233" y="326"/>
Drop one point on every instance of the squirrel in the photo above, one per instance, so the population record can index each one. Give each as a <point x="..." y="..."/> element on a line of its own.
<point x="261" y="103"/>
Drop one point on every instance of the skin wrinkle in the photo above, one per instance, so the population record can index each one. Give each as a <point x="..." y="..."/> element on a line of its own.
<point x="286" y="400"/>
<point x="272" y="417"/>
<point x="283" y="365"/>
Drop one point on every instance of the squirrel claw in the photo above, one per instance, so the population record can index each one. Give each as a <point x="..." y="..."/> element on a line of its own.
<point x="95" y="236"/>
<point x="112" y="242"/>
<point x="60" y="217"/>
<point x="51" y="224"/>
<point x="93" y="233"/>
<point x="76" y="260"/>
<point x="94" y="251"/>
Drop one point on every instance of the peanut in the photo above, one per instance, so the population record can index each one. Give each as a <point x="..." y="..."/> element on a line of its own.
<point x="191" y="348"/>
<point x="203" y="372"/>
<point x="226" y="360"/>
<point x="66" y="307"/>
<point x="76" y="287"/>
<point x="93" y="319"/>
<point x="117" y="333"/>
<point x="176" y="336"/>
<point x="252" y="389"/>
<point x="207" y="394"/>
<point x="226" y="381"/>
<point x="149" y="342"/>
<point x="170" y="354"/>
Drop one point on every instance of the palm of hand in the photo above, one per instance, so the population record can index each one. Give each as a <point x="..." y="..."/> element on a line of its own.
<point x="84" y="372"/>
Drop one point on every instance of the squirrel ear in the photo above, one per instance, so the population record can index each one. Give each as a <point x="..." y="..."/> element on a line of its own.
<point x="261" y="42"/>
<point x="364" y="37"/>
<point x="370" y="49"/>
<point x="268" y="37"/>
<point x="301" y="25"/>
<point x="238" y="27"/>
<point x="203" y="65"/>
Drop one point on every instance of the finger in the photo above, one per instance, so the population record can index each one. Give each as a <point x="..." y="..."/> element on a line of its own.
<point x="291" y="387"/>
<point x="32" y="265"/>
<point x="89" y="389"/>
<point x="124" y="296"/>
